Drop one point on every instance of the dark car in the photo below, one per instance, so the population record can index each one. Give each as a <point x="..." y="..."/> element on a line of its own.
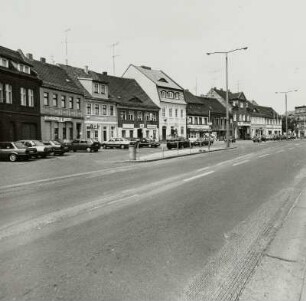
<point x="200" y="142"/>
<point x="57" y="147"/>
<point x="145" y="142"/>
<point x="42" y="150"/>
<point x="88" y="145"/>
<point x="179" y="142"/>
<point x="257" y="139"/>
<point x="231" y="139"/>
<point x="15" y="150"/>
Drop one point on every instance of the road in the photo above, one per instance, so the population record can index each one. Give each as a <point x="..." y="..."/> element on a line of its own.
<point x="88" y="228"/>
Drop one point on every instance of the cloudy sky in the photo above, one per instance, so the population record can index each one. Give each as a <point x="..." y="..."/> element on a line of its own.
<point x="174" y="36"/>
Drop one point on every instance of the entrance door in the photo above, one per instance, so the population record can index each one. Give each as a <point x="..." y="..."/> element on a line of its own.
<point x="104" y="134"/>
<point x="164" y="133"/>
<point x="139" y="133"/>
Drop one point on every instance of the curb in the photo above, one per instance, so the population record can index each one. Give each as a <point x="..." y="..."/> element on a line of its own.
<point x="177" y="156"/>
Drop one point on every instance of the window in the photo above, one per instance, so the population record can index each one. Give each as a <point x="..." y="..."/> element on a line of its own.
<point x="31" y="97"/>
<point x="46" y="99"/>
<point x="154" y="117"/>
<point x="175" y="112"/>
<point x="78" y="103"/>
<point x="147" y="116"/>
<point x="55" y="100"/>
<point x="131" y="115"/>
<point x="177" y="95"/>
<point x="182" y="130"/>
<point x="63" y="101"/>
<point x="112" y="132"/>
<point x="123" y="133"/>
<point x="163" y="94"/>
<point x="70" y="101"/>
<point x="88" y="109"/>
<point x="200" y="120"/>
<point x="102" y="89"/>
<point x="1" y="93"/>
<point x="163" y="112"/>
<point x="170" y="94"/>
<point x="96" y="134"/>
<point x="139" y="116"/>
<point x="8" y="93"/>
<point x="4" y="62"/>
<point x="235" y="117"/>
<point x="123" y="115"/>
<point x="23" y="96"/>
<point x="182" y="113"/>
<point x="97" y="109"/>
<point x="241" y="104"/>
<point x="196" y="120"/>
<point x="111" y="110"/>
<point x="96" y="88"/>
<point x="170" y="112"/>
<point x="104" y="110"/>
<point x="189" y="120"/>
<point x="243" y="117"/>
<point x="205" y="120"/>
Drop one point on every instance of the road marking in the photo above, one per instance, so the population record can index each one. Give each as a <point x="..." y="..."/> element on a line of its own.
<point x="280" y="151"/>
<point x="265" y="155"/>
<point x="201" y="169"/>
<point x="297" y="144"/>
<point x="239" y="163"/>
<point x="199" y="176"/>
<point x="291" y="148"/>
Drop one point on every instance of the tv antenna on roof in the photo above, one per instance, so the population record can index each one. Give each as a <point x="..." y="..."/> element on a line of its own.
<point x="66" y="43"/>
<point x="114" y="55"/>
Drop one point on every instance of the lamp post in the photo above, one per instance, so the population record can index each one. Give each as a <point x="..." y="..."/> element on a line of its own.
<point x="286" y="92"/>
<point x="226" y="84"/>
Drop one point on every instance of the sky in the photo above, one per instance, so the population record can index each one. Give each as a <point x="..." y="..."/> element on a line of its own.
<point x="173" y="36"/>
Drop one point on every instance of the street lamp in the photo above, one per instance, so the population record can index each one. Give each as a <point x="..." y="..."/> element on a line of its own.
<point x="286" y="92"/>
<point x="226" y="82"/>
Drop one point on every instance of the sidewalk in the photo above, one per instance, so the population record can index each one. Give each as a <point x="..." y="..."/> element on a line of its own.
<point x="164" y="153"/>
<point x="280" y="276"/>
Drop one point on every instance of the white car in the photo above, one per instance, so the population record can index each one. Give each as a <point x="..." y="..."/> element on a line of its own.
<point x="42" y="150"/>
<point x="116" y="143"/>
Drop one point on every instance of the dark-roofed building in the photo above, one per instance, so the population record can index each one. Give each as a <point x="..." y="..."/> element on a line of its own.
<point x="100" y="113"/>
<point x="300" y="117"/>
<point x="61" y="102"/>
<point x="167" y="95"/>
<point x="204" y="115"/>
<point x="19" y="97"/>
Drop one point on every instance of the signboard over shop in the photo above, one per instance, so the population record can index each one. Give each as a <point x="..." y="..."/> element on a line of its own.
<point x="56" y="118"/>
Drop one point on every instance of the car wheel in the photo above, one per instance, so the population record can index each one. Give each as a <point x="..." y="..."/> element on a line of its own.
<point x="150" y="145"/>
<point x="104" y="146"/>
<point x="13" y="157"/>
<point x="122" y="146"/>
<point x="88" y="149"/>
<point x="44" y="156"/>
<point x="95" y="150"/>
<point x="74" y="150"/>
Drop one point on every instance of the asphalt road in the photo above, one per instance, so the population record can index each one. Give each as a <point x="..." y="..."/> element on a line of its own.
<point x="86" y="227"/>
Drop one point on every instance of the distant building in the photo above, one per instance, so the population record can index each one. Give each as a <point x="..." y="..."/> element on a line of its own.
<point x="300" y="118"/>
<point x="167" y="95"/>
<point x="19" y="98"/>
<point x="61" y="102"/>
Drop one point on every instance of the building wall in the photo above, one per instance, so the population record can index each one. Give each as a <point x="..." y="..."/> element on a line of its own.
<point x="17" y="121"/>
<point x="58" y="122"/>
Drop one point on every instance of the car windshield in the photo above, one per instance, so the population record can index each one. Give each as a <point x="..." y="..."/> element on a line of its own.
<point x="38" y="143"/>
<point x="20" y="145"/>
<point x="56" y="143"/>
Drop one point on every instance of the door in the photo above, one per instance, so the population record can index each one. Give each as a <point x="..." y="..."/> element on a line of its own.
<point x="139" y="133"/>
<point x="164" y="133"/>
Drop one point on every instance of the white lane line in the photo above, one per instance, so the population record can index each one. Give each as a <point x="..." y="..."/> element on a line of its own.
<point x="199" y="176"/>
<point x="291" y="148"/>
<point x="297" y="144"/>
<point x="242" y="162"/>
<point x="201" y="169"/>
<point x="280" y="151"/>
<point x="265" y="155"/>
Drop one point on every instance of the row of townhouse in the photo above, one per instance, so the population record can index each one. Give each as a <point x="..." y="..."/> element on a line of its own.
<point x="47" y="101"/>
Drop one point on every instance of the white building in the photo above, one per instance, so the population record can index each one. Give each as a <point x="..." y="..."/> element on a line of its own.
<point x="167" y="95"/>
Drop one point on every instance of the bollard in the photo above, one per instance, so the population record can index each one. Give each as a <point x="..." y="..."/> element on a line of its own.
<point x="132" y="150"/>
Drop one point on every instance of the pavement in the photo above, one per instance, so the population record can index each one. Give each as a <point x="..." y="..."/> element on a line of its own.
<point x="280" y="275"/>
<point x="164" y="153"/>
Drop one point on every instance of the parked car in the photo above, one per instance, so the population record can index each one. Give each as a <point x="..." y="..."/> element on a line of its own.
<point x="256" y="139"/>
<point x="15" y="150"/>
<point x="145" y="142"/>
<point x="85" y="144"/>
<point x="42" y="150"/>
<point x="200" y="142"/>
<point x="57" y="147"/>
<point x="231" y="139"/>
<point x="178" y="142"/>
<point x="66" y="143"/>
<point x="116" y="143"/>
<point x="133" y="141"/>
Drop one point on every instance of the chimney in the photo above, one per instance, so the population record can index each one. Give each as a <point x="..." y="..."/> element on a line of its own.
<point x="146" y="67"/>
<point x="104" y="73"/>
<point x="86" y="69"/>
<point x="43" y="60"/>
<point x="29" y="56"/>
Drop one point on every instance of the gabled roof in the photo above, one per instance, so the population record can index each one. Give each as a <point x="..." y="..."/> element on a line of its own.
<point x="262" y="111"/>
<point x="55" y="77"/>
<point x="202" y="105"/>
<point x="160" y="78"/>
<point x="12" y="55"/>
<point x="126" y="92"/>
<point x="231" y="96"/>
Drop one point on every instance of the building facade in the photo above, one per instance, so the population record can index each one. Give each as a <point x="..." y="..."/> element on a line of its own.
<point x="19" y="98"/>
<point x="167" y="95"/>
<point x="300" y="118"/>
<point x="61" y="102"/>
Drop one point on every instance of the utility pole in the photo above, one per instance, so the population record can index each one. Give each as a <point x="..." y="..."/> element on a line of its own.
<point x="114" y="55"/>
<point x="66" y="43"/>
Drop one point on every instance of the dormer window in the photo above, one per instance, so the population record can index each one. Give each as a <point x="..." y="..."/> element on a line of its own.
<point x="163" y="80"/>
<point x="99" y="88"/>
<point x="163" y="94"/>
<point x="96" y="88"/>
<point x="170" y="94"/>
<point x="4" y="62"/>
<point x="177" y="95"/>
<point x="24" y="68"/>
